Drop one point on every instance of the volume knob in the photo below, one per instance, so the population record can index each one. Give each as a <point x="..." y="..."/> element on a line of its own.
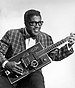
<point x="34" y="63"/>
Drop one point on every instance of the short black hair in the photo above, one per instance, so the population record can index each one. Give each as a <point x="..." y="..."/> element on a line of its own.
<point x="28" y="14"/>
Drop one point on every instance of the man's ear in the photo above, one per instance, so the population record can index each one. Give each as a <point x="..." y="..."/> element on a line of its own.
<point x="26" y="24"/>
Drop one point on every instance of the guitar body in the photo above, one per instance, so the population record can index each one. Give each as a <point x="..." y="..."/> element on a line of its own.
<point x="29" y="62"/>
<point x="33" y="59"/>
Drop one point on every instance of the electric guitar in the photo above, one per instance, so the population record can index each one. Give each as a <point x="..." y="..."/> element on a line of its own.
<point x="33" y="59"/>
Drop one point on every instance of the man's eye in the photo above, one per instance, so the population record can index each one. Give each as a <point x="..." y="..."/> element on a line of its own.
<point x="35" y="23"/>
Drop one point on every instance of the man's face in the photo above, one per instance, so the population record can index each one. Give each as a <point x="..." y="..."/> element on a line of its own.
<point x="34" y="25"/>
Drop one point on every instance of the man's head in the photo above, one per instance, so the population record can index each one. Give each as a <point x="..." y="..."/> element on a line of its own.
<point x="33" y="23"/>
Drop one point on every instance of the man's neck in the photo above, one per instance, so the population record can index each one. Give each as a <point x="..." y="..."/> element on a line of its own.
<point x="30" y="35"/>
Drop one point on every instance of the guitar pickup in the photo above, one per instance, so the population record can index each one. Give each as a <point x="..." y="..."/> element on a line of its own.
<point x="25" y="62"/>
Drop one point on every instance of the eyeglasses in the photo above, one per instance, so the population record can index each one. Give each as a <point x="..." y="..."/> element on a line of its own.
<point x="34" y="23"/>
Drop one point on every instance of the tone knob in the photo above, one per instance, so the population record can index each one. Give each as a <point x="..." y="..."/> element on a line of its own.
<point x="34" y="63"/>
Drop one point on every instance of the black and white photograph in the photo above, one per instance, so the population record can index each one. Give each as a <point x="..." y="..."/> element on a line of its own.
<point x="37" y="44"/>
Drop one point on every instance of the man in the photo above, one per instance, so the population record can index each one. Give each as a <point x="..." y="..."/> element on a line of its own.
<point x="17" y="40"/>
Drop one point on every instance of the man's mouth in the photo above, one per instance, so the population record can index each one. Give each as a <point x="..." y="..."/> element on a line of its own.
<point x="36" y="30"/>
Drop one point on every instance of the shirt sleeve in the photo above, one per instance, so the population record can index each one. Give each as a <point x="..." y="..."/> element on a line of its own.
<point x="60" y="53"/>
<point x="4" y="44"/>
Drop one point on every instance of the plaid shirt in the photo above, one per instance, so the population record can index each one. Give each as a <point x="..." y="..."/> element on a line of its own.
<point x="14" y="42"/>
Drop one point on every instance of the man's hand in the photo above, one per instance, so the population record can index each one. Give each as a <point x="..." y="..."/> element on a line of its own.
<point x="12" y="66"/>
<point x="71" y="40"/>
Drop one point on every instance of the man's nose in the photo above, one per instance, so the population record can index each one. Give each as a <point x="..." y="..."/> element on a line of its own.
<point x="37" y="25"/>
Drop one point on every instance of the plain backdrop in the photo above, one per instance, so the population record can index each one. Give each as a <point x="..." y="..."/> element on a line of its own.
<point x="59" y="22"/>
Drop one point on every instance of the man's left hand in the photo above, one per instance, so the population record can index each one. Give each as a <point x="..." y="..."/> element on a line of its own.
<point x="71" y="40"/>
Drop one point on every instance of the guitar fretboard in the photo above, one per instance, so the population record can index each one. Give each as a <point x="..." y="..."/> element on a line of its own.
<point x="51" y="47"/>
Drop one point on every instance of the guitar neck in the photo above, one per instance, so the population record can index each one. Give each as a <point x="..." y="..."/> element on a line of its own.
<point x="51" y="47"/>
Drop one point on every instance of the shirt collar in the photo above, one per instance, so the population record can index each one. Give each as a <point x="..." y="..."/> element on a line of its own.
<point x="27" y="35"/>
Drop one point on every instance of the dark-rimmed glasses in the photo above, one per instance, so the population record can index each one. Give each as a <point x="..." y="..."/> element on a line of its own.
<point x="34" y="23"/>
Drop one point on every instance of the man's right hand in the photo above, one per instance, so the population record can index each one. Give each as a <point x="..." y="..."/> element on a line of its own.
<point x="12" y="67"/>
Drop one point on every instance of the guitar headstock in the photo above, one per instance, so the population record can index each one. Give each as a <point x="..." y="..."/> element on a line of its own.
<point x="71" y="38"/>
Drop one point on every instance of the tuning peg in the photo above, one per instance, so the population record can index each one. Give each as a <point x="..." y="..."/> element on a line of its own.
<point x="72" y="34"/>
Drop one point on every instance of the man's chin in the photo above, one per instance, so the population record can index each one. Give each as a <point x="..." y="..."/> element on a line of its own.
<point x="35" y="34"/>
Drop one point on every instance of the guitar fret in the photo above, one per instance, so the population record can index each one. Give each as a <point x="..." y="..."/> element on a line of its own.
<point x="51" y="47"/>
